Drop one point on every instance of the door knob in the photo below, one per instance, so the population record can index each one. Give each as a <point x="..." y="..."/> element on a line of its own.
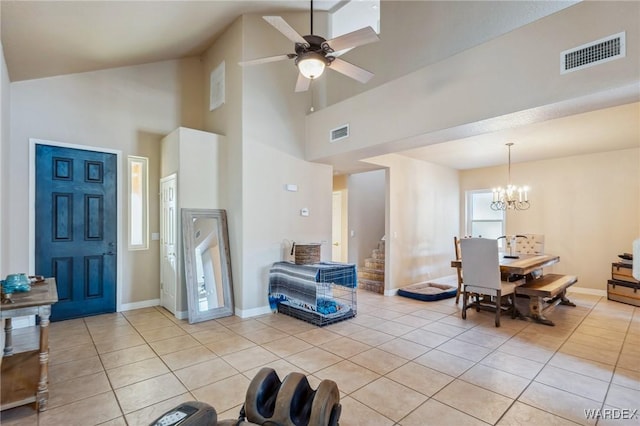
<point x="336" y="244"/>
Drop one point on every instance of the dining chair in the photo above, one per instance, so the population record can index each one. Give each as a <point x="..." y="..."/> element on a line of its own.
<point x="532" y="244"/>
<point x="456" y="247"/>
<point x="481" y="271"/>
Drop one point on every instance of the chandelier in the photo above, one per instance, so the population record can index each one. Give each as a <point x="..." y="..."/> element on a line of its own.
<point x="512" y="197"/>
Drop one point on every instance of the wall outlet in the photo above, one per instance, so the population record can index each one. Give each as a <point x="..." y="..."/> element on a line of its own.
<point x="304" y="211"/>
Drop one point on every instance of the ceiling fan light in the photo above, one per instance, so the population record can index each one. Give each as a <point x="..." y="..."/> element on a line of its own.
<point x="311" y="65"/>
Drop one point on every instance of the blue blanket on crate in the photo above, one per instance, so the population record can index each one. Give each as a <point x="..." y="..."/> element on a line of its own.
<point x="308" y="285"/>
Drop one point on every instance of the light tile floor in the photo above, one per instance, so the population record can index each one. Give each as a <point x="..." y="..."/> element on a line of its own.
<point x="398" y="361"/>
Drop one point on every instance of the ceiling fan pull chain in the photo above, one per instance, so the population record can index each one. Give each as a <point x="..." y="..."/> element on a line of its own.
<point x="312" y="109"/>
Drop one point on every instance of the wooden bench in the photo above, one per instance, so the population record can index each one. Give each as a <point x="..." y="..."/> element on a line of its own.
<point x="552" y="287"/>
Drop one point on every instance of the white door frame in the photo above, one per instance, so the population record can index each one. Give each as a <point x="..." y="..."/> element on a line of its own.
<point x="336" y="227"/>
<point x="32" y="204"/>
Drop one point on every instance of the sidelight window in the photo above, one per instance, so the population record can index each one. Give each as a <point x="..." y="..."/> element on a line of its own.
<point x="138" y="203"/>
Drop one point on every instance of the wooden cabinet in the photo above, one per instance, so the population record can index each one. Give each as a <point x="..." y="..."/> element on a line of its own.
<point x="25" y="375"/>
<point x="623" y="287"/>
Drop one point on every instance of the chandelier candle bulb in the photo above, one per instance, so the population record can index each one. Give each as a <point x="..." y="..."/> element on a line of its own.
<point x="505" y="199"/>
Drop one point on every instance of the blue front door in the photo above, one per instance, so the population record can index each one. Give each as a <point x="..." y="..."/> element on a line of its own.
<point x="76" y="228"/>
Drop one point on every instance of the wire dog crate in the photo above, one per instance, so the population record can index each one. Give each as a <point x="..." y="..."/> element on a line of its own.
<point x="321" y="293"/>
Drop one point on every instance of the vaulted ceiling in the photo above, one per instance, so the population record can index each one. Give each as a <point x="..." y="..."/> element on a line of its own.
<point x="46" y="38"/>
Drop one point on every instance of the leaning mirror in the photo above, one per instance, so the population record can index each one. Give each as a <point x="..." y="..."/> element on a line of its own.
<point x="207" y="264"/>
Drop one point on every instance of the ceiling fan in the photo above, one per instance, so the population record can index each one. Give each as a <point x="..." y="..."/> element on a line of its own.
<point x="313" y="53"/>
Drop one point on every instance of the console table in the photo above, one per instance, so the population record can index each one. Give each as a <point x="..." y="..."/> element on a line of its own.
<point x="24" y="376"/>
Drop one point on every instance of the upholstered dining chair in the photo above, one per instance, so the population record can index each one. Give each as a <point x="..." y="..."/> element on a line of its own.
<point x="532" y="244"/>
<point x="456" y="248"/>
<point x="481" y="271"/>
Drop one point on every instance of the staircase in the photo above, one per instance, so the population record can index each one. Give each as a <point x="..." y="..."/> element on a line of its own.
<point x="371" y="275"/>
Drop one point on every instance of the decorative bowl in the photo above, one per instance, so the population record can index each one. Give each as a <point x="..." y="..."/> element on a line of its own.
<point x="16" y="283"/>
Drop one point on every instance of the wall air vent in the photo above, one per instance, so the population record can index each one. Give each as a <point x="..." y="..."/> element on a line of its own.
<point x="339" y="133"/>
<point x="594" y="53"/>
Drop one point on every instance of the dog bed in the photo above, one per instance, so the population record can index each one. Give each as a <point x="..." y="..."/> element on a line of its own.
<point x="432" y="290"/>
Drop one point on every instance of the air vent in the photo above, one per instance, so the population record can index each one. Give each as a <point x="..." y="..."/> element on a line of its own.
<point x="339" y="133"/>
<point x="594" y="53"/>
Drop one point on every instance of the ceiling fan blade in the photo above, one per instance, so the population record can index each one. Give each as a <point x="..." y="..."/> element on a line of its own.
<point x="356" y="38"/>
<point x="351" y="70"/>
<point x="264" y="60"/>
<point x="286" y="29"/>
<point x="303" y="83"/>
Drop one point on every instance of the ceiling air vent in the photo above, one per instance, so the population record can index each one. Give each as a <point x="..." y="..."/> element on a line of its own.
<point x="339" y="133"/>
<point x="594" y="53"/>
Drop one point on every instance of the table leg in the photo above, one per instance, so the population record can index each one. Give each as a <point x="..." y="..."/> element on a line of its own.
<point x="562" y="299"/>
<point x="42" y="395"/>
<point x="8" y="341"/>
<point x="535" y="310"/>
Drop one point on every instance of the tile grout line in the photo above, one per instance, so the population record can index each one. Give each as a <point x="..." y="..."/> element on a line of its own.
<point x="547" y="363"/>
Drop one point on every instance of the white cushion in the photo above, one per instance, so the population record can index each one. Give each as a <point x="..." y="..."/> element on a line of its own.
<point x="506" y="289"/>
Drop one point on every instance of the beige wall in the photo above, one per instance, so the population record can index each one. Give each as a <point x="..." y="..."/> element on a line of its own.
<point x="273" y="142"/>
<point x="340" y="182"/>
<point x="431" y="31"/>
<point x="588" y="208"/>
<point x="4" y="159"/>
<point x="476" y="90"/>
<point x="194" y="156"/>
<point x="422" y="215"/>
<point x="227" y="120"/>
<point x="263" y="121"/>
<point x="127" y="109"/>
<point x="366" y="215"/>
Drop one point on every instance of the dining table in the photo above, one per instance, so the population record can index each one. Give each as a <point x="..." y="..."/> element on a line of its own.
<point x="539" y="291"/>
<point x="523" y="264"/>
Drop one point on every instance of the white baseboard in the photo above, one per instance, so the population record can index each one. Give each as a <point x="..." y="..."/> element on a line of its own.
<point x="139" y="305"/>
<point x="391" y="292"/>
<point x="592" y="291"/>
<point x="182" y="315"/>
<point x="254" y="312"/>
<point x="149" y="303"/>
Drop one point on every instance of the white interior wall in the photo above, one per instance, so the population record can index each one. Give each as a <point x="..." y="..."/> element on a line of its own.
<point x="127" y="109"/>
<point x="588" y="208"/>
<point x="366" y="213"/>
<point x="422" y="218"/>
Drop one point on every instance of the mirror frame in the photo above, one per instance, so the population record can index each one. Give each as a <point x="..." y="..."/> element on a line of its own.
<point x="188" y="217"/>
